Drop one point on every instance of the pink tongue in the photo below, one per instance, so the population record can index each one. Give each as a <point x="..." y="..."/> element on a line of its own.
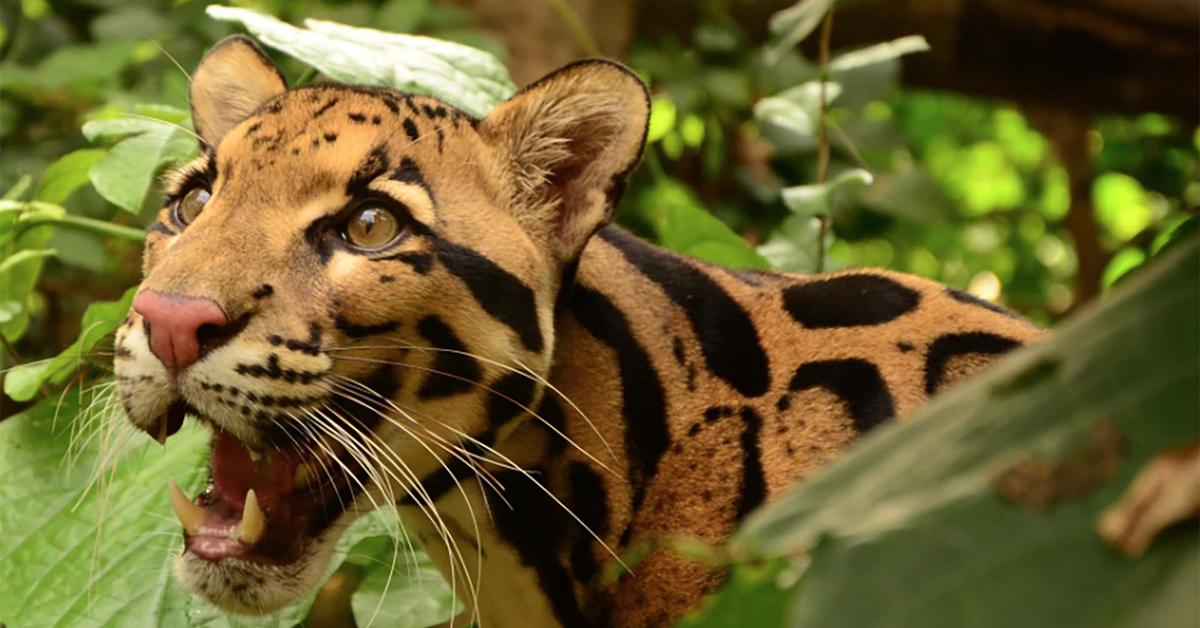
<point x="234" y="472"/>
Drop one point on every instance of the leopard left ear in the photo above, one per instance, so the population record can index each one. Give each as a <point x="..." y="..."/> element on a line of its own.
<point x="566" y="145"/>
<point x="233" y="80"/>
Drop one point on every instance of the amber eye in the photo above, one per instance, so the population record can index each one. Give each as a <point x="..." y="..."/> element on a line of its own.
<point x="372" y="227"/>
<point x="191" y="205"/>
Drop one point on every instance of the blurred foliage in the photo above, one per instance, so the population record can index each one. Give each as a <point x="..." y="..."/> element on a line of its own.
<point x="93" y="106"/>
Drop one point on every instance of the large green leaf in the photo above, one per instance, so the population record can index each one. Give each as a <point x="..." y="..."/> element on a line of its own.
<point x="681" y="223"/>
<point x="124" y="175"/>
<point x="101" y="319"/>
<point x="471" y="79"/>
<point x="413" y="596"/>
<point x="67" y="174"/>
<point x="83" y="548"/>
<point x="909" y="530"/>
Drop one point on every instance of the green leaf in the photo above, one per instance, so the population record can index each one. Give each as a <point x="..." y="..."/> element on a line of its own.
<point x="818" y="198"/>
<point x="465" y="77"/>
<point x="19" y="258"/>
<point x="100" y="320"/>
<point x="878" y="53"/>
<point x="66" y="175"/>
<point x="790" y="119"/>
<point x="123" y="176"/>
<point x="18" y="282"/>
<point x="754" y="595"/>
<point x="791" y="25"/>
<point x="911" y="516"/>
<point x="680" y="223"/>
<point x="415" y="596"/>
<point x="19" y="188"/>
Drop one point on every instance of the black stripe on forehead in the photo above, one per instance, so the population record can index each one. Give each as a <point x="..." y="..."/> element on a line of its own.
<point x="376" y="163"/>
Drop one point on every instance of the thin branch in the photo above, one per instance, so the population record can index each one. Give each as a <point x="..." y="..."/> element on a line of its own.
<point x="823" y="134"/>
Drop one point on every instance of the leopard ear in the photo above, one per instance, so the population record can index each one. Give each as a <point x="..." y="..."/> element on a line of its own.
<point x="233" y="80"/>
<point x="566" y="145"/>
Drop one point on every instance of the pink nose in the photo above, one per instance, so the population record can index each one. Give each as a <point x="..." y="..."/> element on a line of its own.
<point x="175" y="323"/>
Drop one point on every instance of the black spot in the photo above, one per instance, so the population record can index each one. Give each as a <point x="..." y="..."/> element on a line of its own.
<point x="420" y="262"/>
<point x="325" y="107"/>
<point x="904" y="347"/>
<point x="509" y="396"/>
<point x="357" y="118"/>
<point x="857" y="382"/>
<point x="589" y="501"/>
<point x="728" y="338"/>
<point x="263" y="291"/>
<point x="500" y="293"/>
<point x="677" y="350"/>
<point x="295" y="151"/>
<point x="643" y="403"/>
<point x="330" y="137"/>
<point x="355" y="330"/>
<point x="848" y="301"/>
<point x="783" y="404"/>
<point x="536" y="528"/>
<point x="754" y="485"/>
<point x="441" y="135"/>
<point x="391" y="105"/>
<point x="253" y="128"/>
<point x="376" y="120"/>
<point x="411" y="129"/>
<point x="715" y="413"/>
<point x="409" y="173"/>
<point x="452" y="371"/>
<point x="374" y="165"/>
<point x="386" y="279"/>
<point x="949" y="346"/>
<point x="551" y="414"/>
<point x="970" y="299"/>
<point x="434" y="112"/>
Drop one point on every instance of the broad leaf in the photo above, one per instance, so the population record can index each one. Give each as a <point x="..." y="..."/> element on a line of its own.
<point x="791" y="25"/>
<point x="66" y="175"/>
<point x="818" y="198"/>
<point x="465" y="77"/>
<point x="913" y="517"/>
<point x="878" y="53"/>
<point x="101" y="319"/>
<point x="790" y="119"/>
<point x="17" y="283"/>
<point x="124" y="175"/>
<point x="415" y="595"/>
<point x="681" y="223"/>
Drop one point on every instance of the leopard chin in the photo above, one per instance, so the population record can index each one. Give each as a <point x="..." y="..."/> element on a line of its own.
<point x="262" y="533"/>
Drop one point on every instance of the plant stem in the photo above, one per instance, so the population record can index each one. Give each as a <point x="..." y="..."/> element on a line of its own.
<point x="571" y="18"/>
<point x="823" y="134"/>
<point x="92" y="225"/>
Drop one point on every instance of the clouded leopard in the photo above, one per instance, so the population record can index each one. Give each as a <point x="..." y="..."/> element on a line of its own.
<point x="371" y="297"/>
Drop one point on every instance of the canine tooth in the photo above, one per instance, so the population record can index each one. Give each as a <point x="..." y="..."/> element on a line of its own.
<point x="250" y="530"/>
<point x="304" y="473"/>
<point x="190" y="515"/>
<point x="163" y="426"/>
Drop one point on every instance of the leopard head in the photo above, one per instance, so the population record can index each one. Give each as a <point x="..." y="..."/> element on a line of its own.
<point x="348" y="285"/>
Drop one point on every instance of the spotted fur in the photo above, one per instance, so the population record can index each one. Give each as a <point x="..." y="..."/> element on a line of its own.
<point x="641" y="393"/>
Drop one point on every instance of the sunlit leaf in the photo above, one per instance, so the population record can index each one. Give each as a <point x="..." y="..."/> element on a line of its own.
<point x="818" y="198"/>
<point x="681" y="223"/>
<point x="471" y="79"/>
<point x="415" y="595"/>
<point x="790" y="119"/>
<point x="878" y="53"/>
<point x="791" y="25"/>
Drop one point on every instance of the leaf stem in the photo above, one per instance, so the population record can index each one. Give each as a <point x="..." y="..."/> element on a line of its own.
<point x="823" y="133"/>
<point x="81" y="223"/>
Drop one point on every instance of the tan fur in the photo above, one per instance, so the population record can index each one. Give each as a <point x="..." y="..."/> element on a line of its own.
<point x="523" y="191"/>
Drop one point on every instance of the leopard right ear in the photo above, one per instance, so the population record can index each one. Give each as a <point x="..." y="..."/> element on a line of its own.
<point x="233" y="80"/>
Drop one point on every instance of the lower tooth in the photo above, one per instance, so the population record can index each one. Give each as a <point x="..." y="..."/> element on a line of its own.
<point x="250" y="530"/>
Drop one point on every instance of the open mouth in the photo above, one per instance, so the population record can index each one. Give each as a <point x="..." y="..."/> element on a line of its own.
<point x="263" y="507"/>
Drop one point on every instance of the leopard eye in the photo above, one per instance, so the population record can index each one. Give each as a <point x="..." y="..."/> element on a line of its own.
<point x="191" y="205"/>
<point x="372" y="227"/>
